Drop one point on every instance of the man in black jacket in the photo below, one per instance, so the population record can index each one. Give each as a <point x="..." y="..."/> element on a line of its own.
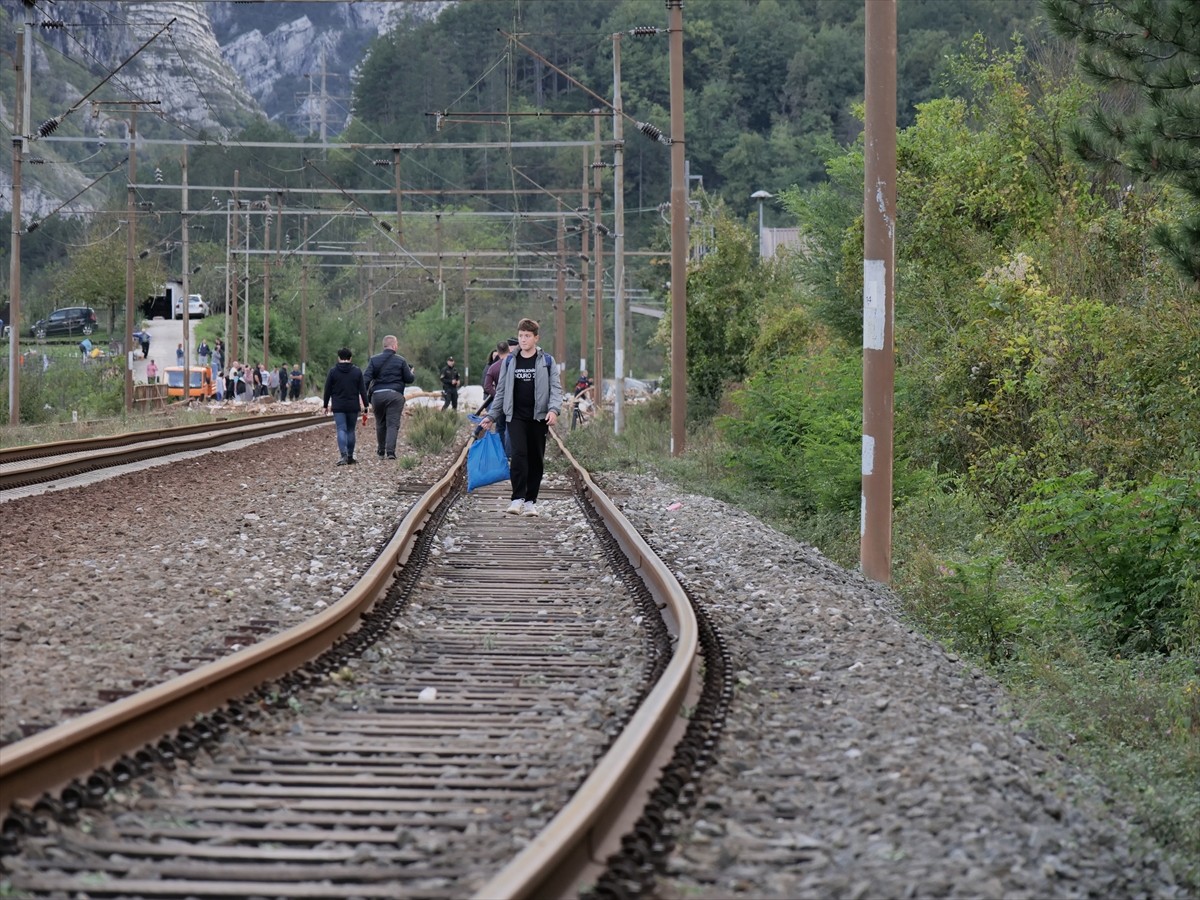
<point x="344" y="391"/>
<point x="386" y="375"/>
<point x="450" y="379"/>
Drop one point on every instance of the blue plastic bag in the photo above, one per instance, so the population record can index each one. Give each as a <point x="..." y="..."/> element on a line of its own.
<point x="487" y="462"/>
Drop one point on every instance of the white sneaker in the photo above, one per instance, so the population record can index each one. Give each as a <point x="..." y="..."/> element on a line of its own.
<point x="514" y="508"/>
<point x="530" y="509"/>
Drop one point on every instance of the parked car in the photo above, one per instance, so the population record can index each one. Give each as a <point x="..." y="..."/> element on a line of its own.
<point x="201" y="379"/>
<point x="197" y="308"/>
<point x="70" y="320"/>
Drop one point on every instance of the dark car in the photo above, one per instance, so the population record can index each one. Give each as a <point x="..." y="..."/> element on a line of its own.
<point x="70" y="320"/>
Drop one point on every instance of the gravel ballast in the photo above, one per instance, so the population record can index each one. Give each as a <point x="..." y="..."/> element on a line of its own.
<point x="860" y="759"/>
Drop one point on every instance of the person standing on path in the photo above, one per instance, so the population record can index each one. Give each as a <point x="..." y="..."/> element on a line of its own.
<point x="179" y="355"/>
<point x="297" y="381"/>
<point x="346" y="395"/>
<point x="449" y="376"/>
<point x="386" y="375"/>
<point x="529" y="397"/>
<point x="151" y="373"/>
<point x="203" y="353"/>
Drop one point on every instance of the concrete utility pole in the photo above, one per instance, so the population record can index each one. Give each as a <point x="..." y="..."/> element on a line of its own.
<point x="24" y="45"/>
<point x="583" y="275"/>
<point x="560" y="297"/>
<point x="186" y="280"/>
<point x="598" y="263"/>
<point x="618" y="243"/>
<point x="232" y="312"/>
<point x="266" y="354"/>
<point x="679" y="235"/>
<point x="879" y="259"/>
<point x="130" y="251"/>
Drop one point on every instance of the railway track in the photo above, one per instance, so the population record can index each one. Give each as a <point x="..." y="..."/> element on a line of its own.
<point x="43" y="463"/>
<point x="495" y="708"/>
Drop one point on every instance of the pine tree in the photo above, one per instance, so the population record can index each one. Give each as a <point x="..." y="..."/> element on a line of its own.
<point x="1149" y="49"/>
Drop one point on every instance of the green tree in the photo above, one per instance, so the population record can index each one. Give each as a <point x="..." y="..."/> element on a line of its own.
<point x="1148" y="49"/>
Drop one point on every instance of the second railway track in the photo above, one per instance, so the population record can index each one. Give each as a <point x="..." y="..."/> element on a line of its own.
<point x="422" y="752"/>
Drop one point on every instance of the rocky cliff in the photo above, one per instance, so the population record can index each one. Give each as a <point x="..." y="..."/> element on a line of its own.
<point x="211" y="68"/>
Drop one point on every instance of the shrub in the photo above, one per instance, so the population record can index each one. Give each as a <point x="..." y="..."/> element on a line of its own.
<point x="432" y="430"/>
<point x="1134" y="552"/>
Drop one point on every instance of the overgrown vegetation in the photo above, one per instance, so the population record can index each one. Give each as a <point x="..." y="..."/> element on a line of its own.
<point x="1047" y="487"/>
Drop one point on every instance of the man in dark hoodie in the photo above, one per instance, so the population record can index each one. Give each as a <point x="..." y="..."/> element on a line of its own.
<point x="346" y="393"/>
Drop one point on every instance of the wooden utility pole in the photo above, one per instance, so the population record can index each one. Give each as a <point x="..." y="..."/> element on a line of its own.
<point x="879" y="258"/>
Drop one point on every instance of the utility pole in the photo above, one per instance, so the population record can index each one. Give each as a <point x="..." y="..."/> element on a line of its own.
<point x="130" y="251"/>
<point x="879" y="258"/>
<point x="583" y="275"/>
<point x="560" y="297"/>
<point x="679" y="235"/>
<point x="304" y="307"/>
<point x="618" y="243"/>
<point x="598" y="260"/>
<point x="232" y="333"/>
<point x="466" y="321"/>
<point x="187" y="274"/>
<point x="266" y="354"/>
<point x="24" y="44"/>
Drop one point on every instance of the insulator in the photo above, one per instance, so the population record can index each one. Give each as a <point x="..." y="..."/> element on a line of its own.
<point x="653" y="132"/>
<point x="381" y="162"/>
<point x="53" y="23"/>
<point x="48" y="127"/>
<point x="158" y="175"/>
<point x="643" y="30"/>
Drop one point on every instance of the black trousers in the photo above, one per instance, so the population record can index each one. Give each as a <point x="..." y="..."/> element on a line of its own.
<point x="527" y="446"/>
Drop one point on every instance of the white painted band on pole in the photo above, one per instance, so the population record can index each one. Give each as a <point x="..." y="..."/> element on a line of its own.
<point x="874" y="303"/>
<point x="862" y="516"/>
<point x="868" y="454"/>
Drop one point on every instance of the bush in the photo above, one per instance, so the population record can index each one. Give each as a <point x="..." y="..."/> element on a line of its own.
<point x="1134" y="552"/>
<point x="799" y="429"/>
<point x="432" y="430"/>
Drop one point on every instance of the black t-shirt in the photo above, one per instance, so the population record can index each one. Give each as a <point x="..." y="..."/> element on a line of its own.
<point x="523" y="386"/>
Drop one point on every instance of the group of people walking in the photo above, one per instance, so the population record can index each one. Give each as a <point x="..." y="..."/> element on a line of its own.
<point x="522" y="398"/>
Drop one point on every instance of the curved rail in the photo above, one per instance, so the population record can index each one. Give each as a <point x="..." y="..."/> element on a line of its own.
<point x="561" y="858"/>
<point x="51" y="758"/>
<point x="556" y="861"/>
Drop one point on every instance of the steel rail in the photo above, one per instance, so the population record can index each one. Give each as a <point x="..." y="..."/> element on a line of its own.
<point x="22" y="466"/>
<point x="565" y="854"/>
<point x="51" y="759"/>
<point x="81" y="445"/>
<point x="568" y="853"/>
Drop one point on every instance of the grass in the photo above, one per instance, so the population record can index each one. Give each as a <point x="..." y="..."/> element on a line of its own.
<point x="1133" y="723"/>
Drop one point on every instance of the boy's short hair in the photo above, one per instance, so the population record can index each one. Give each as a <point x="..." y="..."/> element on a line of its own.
<point x="344" y="353"/>
<point x="529" y="325"/>
<point x="502" y="347"/>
